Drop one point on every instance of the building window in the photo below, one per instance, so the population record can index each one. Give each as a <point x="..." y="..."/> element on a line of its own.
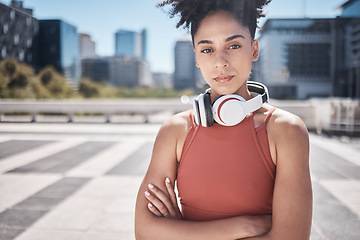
<point x="5" y="28"/>
<point x="28" y="42"/>
<point x="12" y="15"/>
<point x="28" y="21"/>
<point x="308" y="60"/>
<point x="3" y="52"/>
<point x="16" y="39"/>
<point x="21" y="56"/>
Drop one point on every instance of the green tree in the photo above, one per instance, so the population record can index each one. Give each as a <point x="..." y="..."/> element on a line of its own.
<point x="89" y="88"/>
<point x="17" y="80"/>
<point x="55" y="83"/>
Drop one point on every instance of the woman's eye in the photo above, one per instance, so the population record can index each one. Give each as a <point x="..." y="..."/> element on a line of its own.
<point x="208" y="50"/>
<point x="236" y="46"/>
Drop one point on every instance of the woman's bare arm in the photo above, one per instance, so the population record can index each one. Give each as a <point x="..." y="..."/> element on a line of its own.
<point x="163" y="164"/>
<point x="292" y="201"/>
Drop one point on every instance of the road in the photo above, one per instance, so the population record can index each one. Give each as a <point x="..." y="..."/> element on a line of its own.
<point x="79" y="181"/>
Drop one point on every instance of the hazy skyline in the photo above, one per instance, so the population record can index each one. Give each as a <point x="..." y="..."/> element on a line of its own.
<point x="101" y="19"/>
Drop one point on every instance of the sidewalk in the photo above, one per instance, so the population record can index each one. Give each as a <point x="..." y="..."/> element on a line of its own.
<point x="80" y="181"/>
<point x="335" y="170"/>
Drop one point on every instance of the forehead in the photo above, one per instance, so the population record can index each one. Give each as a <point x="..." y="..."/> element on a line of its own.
<point x="220" y="25"/>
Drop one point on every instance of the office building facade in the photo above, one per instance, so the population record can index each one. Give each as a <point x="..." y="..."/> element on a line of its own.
<point x="295" y="58"/>
<point x="97" y="69"/>
<point x="304" y="58"/>
<point x="186" y="74"/>
<point x="18" y="33"/>
<point x="59" y="43"/>
<point x="129" y="72"/>
<point x="131" y="44"/>
<point x="350" y="9"/>
<point x="348" y="38"/>
<point x="86" y="46"/>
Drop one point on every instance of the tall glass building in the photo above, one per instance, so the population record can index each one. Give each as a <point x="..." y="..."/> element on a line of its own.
<point x="130" y="43"/>
<point x="59" y="47"/>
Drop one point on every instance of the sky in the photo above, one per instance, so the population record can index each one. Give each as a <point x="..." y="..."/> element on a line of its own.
<point x="102" y="18"/>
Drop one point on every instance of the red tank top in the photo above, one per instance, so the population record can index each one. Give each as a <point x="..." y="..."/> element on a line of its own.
<point x="226" y="171"/>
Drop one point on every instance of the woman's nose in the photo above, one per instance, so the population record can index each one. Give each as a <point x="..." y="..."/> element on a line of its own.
<point x="221" y="61"/>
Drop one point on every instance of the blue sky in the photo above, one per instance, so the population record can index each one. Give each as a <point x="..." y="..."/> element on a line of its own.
<point x="102" y="18"/>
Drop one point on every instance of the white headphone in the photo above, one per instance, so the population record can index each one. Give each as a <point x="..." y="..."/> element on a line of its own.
<point x="228" y="110"/>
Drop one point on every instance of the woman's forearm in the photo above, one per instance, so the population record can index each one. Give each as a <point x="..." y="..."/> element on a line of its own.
<point x="152" y="227"/>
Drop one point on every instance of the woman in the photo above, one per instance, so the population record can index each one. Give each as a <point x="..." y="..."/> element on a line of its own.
<point x="225" y="175"/>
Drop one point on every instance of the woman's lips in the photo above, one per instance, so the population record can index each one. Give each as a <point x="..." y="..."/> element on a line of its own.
<point x="223" y="79"/>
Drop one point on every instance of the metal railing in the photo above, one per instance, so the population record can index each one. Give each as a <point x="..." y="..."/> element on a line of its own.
<point x="341" y="115"/>
<point x="108" y="108"/>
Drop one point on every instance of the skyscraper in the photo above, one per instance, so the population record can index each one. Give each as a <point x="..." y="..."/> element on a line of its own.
<point x="86" y="46"/>
<point x="59" y="43"/>
<point x="186" y="75"/>
<point x="130" y="43"/>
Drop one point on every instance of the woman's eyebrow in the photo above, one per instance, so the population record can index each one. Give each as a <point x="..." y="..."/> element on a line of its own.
<point x="205" y="42"/>
<point x="234" y="37"/>
<point x="227" y="40"/>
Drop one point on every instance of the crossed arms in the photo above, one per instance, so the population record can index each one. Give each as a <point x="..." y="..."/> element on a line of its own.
<point x="292" y="201"/>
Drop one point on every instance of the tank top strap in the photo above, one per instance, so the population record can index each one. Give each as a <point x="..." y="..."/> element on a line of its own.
<point x="267" y="118"/>
<point x="190" y="136"/>
<point x="192" y="118"/>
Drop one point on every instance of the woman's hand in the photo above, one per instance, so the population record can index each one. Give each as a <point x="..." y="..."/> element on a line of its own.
<point x="162" y="204"/>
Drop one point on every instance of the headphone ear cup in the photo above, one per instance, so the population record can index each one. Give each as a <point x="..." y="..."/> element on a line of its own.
<point x="208" y="110"/>
<point x="205" y="110"/>
<point x="196" y="111"/>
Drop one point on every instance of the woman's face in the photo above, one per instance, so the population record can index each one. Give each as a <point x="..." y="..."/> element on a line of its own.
<point x="224" y="53"/>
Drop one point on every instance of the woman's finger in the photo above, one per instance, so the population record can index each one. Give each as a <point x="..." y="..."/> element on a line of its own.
<point x="158" y="204"/>
<point x="173" y="198"/>
<point x="154" y="210"/>
<point x="171" y="191"/>
<point x="164" y="198"/>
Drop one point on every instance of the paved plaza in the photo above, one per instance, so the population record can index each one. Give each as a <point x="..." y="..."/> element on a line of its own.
<point x="79" y="181"/>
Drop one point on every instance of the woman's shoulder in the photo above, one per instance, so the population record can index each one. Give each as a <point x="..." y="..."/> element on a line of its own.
<point x="284" y="124"/>
<point x="177" y="125"/>
<point x="174" y="131"/>
<point x="179" y="120"/>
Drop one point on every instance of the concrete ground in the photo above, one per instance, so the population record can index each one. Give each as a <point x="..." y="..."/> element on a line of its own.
<point x="79" y="181"/>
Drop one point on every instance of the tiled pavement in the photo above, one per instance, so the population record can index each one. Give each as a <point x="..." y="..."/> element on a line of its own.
<point x="79" y="181"/>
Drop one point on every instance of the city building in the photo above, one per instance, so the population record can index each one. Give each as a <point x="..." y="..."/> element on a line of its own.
<point x="304" y="58"/>
<point x="346" y="57"/>
<point x="129" y="71"/>
<point x="350" y="9"/>
<point x="295" y="58"/>
<point x="131" y="44"/>
<point x="186" y="75"/>
<point x="348" y="38"/>
<point x="18" y="5"/>
<point x="162" y="80"/>
<point x="18" y="33"/>
<point x="86" y="46"/>
<point x="59" y="43"/>
<point x="97" y="69"/>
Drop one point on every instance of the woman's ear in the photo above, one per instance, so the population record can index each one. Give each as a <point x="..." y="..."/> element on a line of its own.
<point x="255" y="50"/>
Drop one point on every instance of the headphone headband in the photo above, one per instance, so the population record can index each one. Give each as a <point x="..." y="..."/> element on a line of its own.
<point x="260" y="89"/>
<point x="228" y="110"/>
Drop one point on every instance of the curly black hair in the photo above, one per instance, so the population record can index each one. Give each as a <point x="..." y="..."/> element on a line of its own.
<point x="192" y="12"/>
